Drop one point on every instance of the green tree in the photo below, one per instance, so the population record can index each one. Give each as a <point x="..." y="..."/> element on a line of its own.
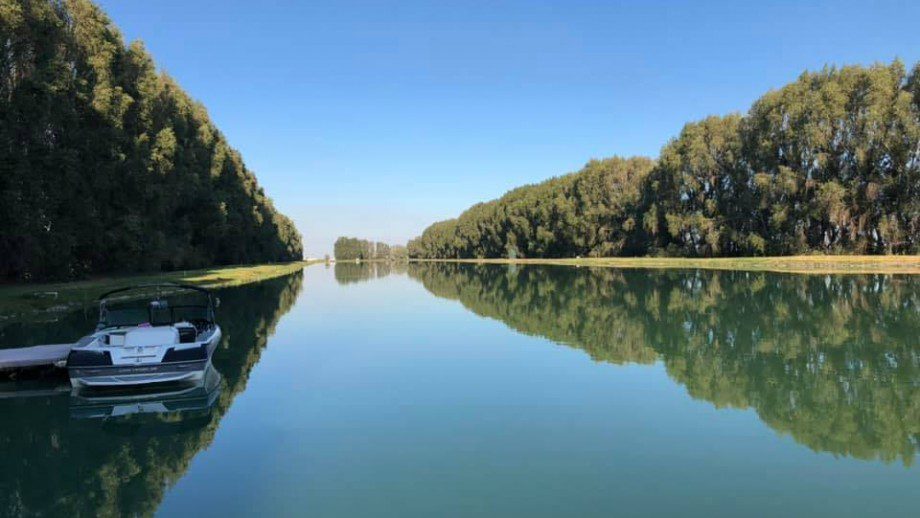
<point x="107" y="165"/>
<point x="829" y="163"/>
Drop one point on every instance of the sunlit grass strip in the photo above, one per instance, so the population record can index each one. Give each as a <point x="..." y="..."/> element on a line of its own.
<point x="805" y="264"/>
<point x="18" y="298"/>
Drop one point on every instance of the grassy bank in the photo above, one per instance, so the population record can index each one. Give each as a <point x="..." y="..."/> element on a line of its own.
<point x="27" y="298"/>
<point x="807" y="264"/>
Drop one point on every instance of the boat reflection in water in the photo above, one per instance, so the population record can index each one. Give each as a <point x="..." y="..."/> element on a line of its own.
<point x="188" y="398"/>
<point x="117" y="453"/>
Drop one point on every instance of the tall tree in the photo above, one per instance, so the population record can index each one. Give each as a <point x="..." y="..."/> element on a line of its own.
<point x="107" y="165"/>
<point x="829" y="163"/>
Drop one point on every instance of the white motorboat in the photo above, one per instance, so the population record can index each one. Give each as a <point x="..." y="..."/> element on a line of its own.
<point x="164" y="339"/>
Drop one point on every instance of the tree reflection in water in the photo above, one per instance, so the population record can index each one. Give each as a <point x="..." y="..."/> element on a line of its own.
<point x="351" y="273"/>
<point x="123" y="466"/>
<point x="831" y="360"/>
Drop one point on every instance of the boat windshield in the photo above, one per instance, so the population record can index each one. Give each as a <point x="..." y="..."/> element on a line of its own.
<point x="181" y="307"/>
<point x="125" y="316"/>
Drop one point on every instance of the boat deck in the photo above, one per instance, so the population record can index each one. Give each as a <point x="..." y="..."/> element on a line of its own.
<point x="36" y="356"/>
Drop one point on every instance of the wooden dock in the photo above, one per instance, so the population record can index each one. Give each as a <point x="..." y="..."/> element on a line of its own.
<point x="39" y="388"/>
<point x="36" y="356"/>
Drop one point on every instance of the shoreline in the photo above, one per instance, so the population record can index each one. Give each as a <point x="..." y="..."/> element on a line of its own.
<point x="19" y="298"/>
<point x="798" y="264"/>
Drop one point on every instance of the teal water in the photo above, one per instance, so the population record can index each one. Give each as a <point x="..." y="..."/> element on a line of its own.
<point x="444" y="390"/>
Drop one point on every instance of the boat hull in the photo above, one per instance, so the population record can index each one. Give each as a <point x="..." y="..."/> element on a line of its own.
<point x="172" y="398"/>
<point x="131" y="375"/>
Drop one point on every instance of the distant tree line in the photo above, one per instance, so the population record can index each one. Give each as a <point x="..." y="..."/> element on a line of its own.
<point x="351" y="248"/>
<point x="106" y="165"/>
<point x="829" y="163"/>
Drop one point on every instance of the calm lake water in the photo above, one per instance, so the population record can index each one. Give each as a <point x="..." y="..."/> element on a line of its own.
<point x="444" y="390"/>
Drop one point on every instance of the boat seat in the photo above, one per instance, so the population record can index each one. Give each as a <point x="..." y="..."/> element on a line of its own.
<point x="187" y="332"/>
<point x="151" y="336"/>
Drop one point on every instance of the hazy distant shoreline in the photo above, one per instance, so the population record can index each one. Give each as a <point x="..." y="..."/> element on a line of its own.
<point x="812" y="264"/>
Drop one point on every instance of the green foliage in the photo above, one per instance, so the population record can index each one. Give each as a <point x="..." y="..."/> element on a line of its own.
<point x="107" y="165"/>
<point x="589" y="213"/>
<point x="829" y="163"/>
<point x="352" y="248"/>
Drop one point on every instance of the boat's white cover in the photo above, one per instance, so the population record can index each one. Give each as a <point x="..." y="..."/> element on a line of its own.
<point x="143" y="336"/>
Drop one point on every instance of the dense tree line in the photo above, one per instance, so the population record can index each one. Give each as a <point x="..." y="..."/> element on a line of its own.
<point x="829" y="163"/>
<point x="827" y="359"/>
<point x="588" y="213"/>
<point x="107" y="165"/>
<point x="352" y="248"/>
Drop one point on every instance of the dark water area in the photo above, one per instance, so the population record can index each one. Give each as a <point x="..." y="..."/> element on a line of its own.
<point x="444" y="389"/>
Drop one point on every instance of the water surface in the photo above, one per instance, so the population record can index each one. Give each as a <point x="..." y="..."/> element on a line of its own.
<point x="509" y="391"/>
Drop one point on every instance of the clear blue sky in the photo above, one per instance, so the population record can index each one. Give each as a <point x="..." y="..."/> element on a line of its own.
<point x="375" y="119"/>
